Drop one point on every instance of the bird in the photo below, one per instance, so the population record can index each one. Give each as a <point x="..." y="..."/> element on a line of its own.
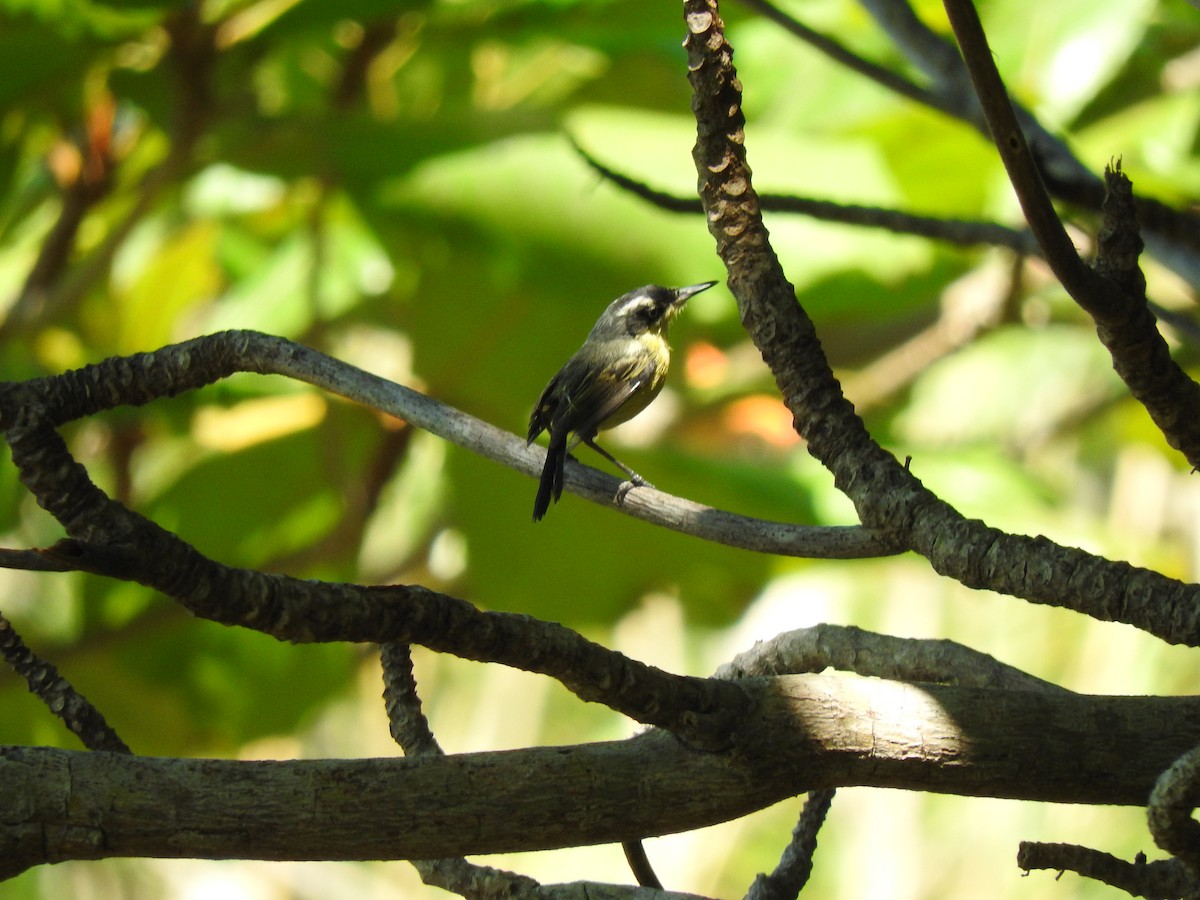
<point x="620" y="368"/>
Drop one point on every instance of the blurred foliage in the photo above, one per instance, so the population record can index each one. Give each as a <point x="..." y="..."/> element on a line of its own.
<point x="392" y="183"/>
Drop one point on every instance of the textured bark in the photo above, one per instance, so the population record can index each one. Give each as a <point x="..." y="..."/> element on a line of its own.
<point x="889" y="498"/>
<point x="806" y="732"/>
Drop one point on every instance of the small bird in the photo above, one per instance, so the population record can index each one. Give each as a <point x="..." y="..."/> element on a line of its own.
<point x="619" y="369"/>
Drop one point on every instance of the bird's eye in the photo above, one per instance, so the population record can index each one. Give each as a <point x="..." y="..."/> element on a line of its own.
<point x="645" y="310"/>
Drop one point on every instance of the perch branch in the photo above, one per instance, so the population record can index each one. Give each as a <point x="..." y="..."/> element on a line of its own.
<point x="142" y="378"/>
<point x="108" y="539"/>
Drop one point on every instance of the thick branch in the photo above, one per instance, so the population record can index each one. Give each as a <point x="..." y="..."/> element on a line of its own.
<point x="808" y="732"/>
<point x="887" y="496"/>
<point x="108" y="539"/>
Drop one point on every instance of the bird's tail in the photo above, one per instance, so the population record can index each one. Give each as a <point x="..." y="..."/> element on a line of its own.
<point x="551" y="486"/>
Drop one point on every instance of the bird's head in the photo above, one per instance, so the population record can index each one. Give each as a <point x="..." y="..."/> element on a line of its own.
<point x="644" y="310"/>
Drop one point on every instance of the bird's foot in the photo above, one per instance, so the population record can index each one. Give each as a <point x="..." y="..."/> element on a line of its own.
<point x="626" y="486"/>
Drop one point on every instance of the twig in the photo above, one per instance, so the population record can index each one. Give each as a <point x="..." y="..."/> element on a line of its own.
<point x="796" y="863"/>
<point x="961" y="232"/>
<point x="886" y="78"/>
<point x="1162" y="878"/>
<point x="639" y="864"/>
<point x="60" y="697"/>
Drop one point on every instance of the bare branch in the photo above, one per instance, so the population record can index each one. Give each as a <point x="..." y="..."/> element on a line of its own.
<point x="795" y="866"/>
<point x="1175" y="797"/>
<point x="961" y="232"/>
<point x="411" y="731"/>
<point x="851" y="649"/>
<point x="193" y="364"/>
<point x="808" y="732"/>
<point x="109" y="539"/>
<point x="59" y="695"/>
<point x="887" y="496"/>
<point x="1118" y="305"/>
<point x="885" y="78"/>
<point x="1163" y="878"/>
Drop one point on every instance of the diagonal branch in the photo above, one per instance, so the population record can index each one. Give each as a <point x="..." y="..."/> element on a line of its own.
<point x="887" y="496"/>
<point x="145" y="377"/>
<point x="108" y="539"/>
<point x="1117" y="305"/>
<point x="60" y="696"/>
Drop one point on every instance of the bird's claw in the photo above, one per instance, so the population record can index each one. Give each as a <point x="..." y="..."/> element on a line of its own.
<point x="627" y="486"/>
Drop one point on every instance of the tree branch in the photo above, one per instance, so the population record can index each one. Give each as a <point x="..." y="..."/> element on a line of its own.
<point x="108" y="539"/>
<point x="1117" y="304"/>
<point x="145" y="377"/>
<point x="888" y="497"/>
<point x="59" y="695"/>
<point x="410" y="729"/>
<point x="796" y="863"/>
<point x="960" y="232"/>
<point x="1175" y="797"/>
<point x="1162" y="878"/>
<point x="807" y="732"/>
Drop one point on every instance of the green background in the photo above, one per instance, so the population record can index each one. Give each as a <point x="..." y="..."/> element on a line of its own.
<point x="436" y="227"/>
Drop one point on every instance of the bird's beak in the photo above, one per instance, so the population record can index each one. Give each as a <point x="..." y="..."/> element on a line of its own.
<point x="682" y="294"/>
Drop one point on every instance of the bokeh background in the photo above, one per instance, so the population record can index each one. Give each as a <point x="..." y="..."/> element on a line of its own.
<point x="394" y="183"/>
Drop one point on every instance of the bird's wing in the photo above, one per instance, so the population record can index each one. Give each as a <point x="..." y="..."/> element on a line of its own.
<point x="596" y="399"/>
<point x="543" y="412"/>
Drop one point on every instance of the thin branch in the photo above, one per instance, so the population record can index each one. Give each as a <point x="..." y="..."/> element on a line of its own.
<point x="411" y="731"/>
<point x="201" y="361"/>
<point x="1162" y="878"/>
<point x="885" y="78"/>
<point x="32" y="561"/>
<point x="639" y="864"/>
<point x="1175" y="797"/>
<point x="960" y="232"/>
<point x="1080" y="281"/>
<point x="59" y="695"/>
<point x="406" y="719"/>
<point x="796" y="863"/>
<point x="1111" y="296"/>
<point x="1175" y="234"/>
